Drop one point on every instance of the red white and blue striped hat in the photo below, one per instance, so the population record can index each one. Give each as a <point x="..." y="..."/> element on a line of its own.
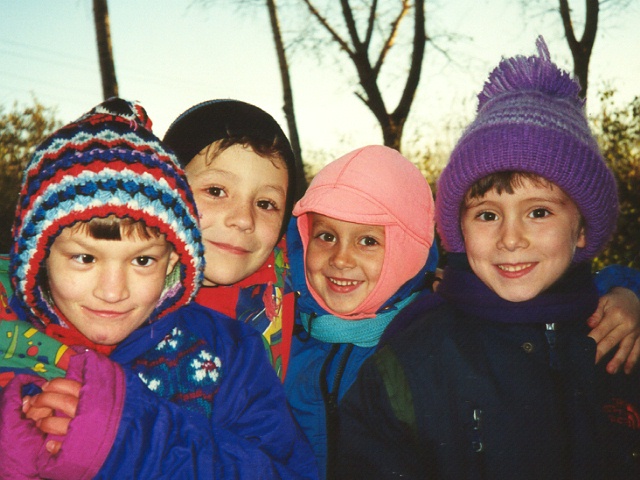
<point x="108" y="162"/>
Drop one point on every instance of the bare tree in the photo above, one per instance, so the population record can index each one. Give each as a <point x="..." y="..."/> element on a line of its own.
<point x="105" y="52"/>
<point x="595" y="12"/>
<point x="581" y="49"/>
<point x="287" y="93"/>
<point x="358" y="43"/>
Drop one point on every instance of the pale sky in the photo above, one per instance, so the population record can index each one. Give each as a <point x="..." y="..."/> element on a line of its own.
<point x="170" y="55"/>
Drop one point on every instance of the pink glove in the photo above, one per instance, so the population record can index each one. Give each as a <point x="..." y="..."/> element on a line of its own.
<point x="21" y="443"/>
<point x="92" y="432"/>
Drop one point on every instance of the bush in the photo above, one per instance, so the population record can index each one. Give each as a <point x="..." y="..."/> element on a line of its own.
<point x="618" y="132"/>
<point x="21" y="130"/>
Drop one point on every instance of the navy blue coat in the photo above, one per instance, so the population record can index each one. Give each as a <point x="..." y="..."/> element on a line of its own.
<point x="462" y="397"/>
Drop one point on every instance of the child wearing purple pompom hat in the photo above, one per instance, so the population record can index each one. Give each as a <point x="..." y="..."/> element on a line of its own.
<point x="500" y="380"/>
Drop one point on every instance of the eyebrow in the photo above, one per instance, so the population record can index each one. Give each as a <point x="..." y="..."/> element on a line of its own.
<point x="277" y="188"/>
<point x="226" y="173"/>
<point x="156" y="242"/>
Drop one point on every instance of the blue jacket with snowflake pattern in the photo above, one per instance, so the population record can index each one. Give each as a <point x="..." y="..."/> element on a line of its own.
<point x="200" y="400"/>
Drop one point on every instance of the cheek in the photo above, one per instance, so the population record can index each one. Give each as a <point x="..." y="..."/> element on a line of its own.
<point x="314" y="260"/>
<point x="67" y="291"/>
<point x="472" y="247"/>
<point x="151" y="292"/>
<point x="375" y="267"/>
<point x="207" y="213"/>
<point x="268" y="231"/>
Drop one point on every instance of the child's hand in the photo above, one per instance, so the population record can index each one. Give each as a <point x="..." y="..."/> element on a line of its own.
<point x="617" y="321"/>
<point x="59" y="395"/>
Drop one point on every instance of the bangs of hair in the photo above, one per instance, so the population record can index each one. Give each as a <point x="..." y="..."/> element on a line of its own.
<point x="506" y="181"/>
<point x="115" y="228"/>
<point x="268" y="149"/>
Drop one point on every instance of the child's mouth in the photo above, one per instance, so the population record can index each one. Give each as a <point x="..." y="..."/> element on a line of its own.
<point x="515" y="270"/>
<point x="342" y="285"/>
<point x="230" y="248"/>
<point x="108" y="314"/>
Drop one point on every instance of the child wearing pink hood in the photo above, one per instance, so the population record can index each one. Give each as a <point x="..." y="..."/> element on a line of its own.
<point x="361" y="249"/>
<point x="358" y="253"/>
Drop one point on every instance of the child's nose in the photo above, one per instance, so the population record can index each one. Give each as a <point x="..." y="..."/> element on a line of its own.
<point x="240" y="216"/>
<point x="342" y="257"/>
<point x="512" y="236"/>
<point x="112" y="285"/>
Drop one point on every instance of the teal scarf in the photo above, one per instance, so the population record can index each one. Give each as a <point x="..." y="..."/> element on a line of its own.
<point x="361" y="333"/>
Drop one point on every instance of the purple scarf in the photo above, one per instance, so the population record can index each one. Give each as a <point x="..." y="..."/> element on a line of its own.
<point x="573" y="297"/>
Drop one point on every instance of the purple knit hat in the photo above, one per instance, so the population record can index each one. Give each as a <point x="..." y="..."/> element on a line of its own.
<point x="531" y="119"/>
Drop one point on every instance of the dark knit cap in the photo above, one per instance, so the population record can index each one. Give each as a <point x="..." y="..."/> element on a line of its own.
<point x="108" y="162"/>
<point x="214" y="120"/>
<point x="531" y="119"/>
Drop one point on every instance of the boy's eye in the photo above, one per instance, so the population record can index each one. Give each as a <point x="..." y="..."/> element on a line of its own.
<point x="84" y="258"/>
<point x="266" y="205"/>
<point x="216" y="192"/>
<point x="326" y="237"/>
<point x="369" y="242"/>
<point x="540" y="213"/>
<point x="143" y="261"/>
<point x="487" y="216"/>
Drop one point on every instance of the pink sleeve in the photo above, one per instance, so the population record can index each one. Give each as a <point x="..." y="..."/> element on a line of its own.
<point x="92" y="432"/>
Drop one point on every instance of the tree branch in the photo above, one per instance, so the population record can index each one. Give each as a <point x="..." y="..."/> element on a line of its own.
<point x="323" y="21"/>
<point x="417" y="57"/>
<point x="565" y="14"/>
<point x="389" y="42"/>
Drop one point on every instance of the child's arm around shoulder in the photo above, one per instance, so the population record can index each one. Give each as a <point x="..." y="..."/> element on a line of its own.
<point x="616" y="322"/>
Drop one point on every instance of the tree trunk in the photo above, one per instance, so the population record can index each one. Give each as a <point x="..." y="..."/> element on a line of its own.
<point x="289" y="112"/>
<point x="581" y="49"/>
<point x="105" y="53"/>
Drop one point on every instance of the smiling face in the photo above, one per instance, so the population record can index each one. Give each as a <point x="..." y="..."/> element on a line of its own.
<point x="241" y="199"/>
<point x="343" y="261"/>
<point x="107" y="288"/>
<point x="519" y="244"/>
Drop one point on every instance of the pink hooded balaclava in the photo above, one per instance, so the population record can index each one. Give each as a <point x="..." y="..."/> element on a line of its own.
<point x="375" y="185"/>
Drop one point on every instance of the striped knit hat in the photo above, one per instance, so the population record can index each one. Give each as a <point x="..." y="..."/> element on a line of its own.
<point x="531" y="119"/>
<point x="108" y="162"/>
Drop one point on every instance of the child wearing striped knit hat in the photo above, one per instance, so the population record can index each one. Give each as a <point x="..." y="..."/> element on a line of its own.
<point x="106" y="258"/>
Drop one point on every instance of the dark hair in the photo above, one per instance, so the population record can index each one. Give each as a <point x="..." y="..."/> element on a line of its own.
<point x="506" y="181"/>
<point x="115" y="228"/>
<point x="269" y="149"/>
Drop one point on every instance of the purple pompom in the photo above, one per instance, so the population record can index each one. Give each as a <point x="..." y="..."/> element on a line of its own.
<point x="535" y="74"/>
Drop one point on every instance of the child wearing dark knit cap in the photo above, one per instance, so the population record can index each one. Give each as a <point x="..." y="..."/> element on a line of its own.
<point x="499" y="380"/>
<point x="242" y="171"/>
<point x="107" y="257"/>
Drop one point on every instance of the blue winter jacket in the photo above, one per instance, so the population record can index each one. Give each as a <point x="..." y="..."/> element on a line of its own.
<point x="246" y="431"/>
<point x="321" y="372"/>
